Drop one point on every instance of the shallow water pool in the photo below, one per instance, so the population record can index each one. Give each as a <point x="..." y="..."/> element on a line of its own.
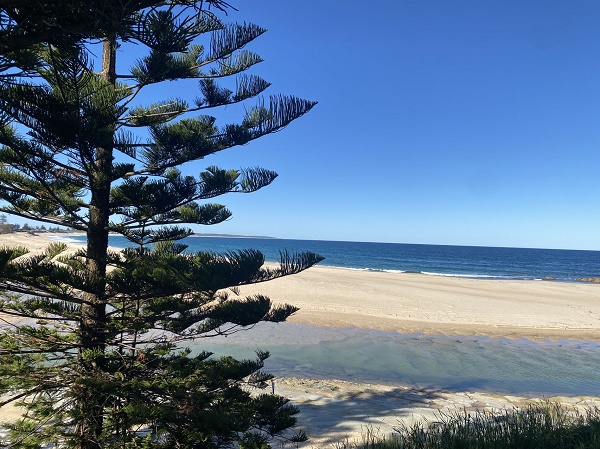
<point x="506" y="366"/>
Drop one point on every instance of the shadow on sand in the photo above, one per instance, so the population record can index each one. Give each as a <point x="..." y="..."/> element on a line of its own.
<point x="330" y="414"/>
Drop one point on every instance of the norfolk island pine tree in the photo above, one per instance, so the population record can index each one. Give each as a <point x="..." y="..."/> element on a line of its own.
<point x="97" y="358"/>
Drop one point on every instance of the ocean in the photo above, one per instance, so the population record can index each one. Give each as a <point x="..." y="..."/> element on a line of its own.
<point x="440" y="260"/>
<point x="520" y="367"/>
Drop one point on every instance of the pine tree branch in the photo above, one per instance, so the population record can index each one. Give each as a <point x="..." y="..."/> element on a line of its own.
<point x="62" y="348"/>
<point x="11" y="312"/>
<point x="157" y="114"/>
<point x="48" y="190"/>
<point x="282" y="111"/>
<point x="132" y="96"/>
<point x="26" y="393"/>
<point x="221" y="54"/>
<point x="33" y="194"/>
<point x="129" y="118"/>
<point x="218" y="4"/>
<point x="136" y="224"/>
<point x="40" y="424"/>
<point x="17" y="190"/>
<point x="131" y="224"/>
<point x="57" y="222"/>
<point x="151" y="171"/>
<point x="57" y="345"/>
<point x="57" y="75"/>
<point x="50" y="160"/>
<point x="199" y="76"/>
<point x="33" y="288"/>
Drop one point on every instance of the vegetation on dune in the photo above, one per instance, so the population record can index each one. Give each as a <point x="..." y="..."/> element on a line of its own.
<point x="98" y="359"/>
<point x="545" y="425"/>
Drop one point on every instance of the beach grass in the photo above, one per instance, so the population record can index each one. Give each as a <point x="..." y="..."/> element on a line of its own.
<point x="544" y="425"/>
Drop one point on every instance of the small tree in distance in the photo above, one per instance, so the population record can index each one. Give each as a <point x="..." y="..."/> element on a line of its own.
<point x="5" y="226"/>
<point x="95" y="361"/>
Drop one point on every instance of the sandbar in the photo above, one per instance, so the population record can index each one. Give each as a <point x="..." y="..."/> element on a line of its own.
<point x="419" y="303"/>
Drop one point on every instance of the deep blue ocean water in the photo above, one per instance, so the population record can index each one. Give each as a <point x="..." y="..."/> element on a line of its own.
<point x="464" y="261"/>
<point x="459" y="363"/>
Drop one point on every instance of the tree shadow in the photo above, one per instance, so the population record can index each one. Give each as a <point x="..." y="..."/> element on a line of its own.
<point x="330" y="414"/>
<point x="548" y="424"/>
<point x="336" y="414"/>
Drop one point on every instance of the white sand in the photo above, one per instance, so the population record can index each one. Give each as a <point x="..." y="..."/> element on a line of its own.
<point x="420" y="303"/>
<point x="333" y="410"/>
<point x="36" y="243"/>
<point x="435" y="304"/>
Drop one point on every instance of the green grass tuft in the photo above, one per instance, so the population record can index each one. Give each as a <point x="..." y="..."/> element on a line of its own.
<point x="539" y="426"/>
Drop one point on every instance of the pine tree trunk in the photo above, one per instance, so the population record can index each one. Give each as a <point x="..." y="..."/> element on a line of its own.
<point x="93" y="312"/>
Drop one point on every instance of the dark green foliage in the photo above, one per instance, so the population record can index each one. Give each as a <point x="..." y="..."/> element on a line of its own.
<point x="5" y="226"/>
<point x="538" y="426"/>
<point x="93" y="343"/>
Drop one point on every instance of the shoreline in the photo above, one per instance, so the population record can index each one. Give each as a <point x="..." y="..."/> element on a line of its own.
<point x="476" y="277"/>
<point x="411" y="303"/>
<point x="420" y="303"/>
<point x="582" y="278"/>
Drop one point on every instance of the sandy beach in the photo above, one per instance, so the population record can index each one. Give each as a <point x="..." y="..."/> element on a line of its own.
<point x="332" y="411"/>
<point x="410" y="303"/>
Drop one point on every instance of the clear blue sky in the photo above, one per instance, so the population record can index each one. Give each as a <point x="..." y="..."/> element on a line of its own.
<point x="461" y="122"/>
<point x="447" y="122"/>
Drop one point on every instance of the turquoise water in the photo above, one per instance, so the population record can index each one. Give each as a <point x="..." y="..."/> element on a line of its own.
<point x="520" y="367"/>
<point x="465" y="261"/>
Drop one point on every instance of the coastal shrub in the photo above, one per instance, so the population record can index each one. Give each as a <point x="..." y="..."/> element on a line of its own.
<point x="545" y="425"/>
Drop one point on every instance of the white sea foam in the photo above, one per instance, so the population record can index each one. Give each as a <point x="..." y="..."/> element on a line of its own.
<point x="60" y="238"/>
<point x="375" y="270"/>
<point x="475" y="276"/>
<point x="345" y="268"/>
<point x="428" y="273"/>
